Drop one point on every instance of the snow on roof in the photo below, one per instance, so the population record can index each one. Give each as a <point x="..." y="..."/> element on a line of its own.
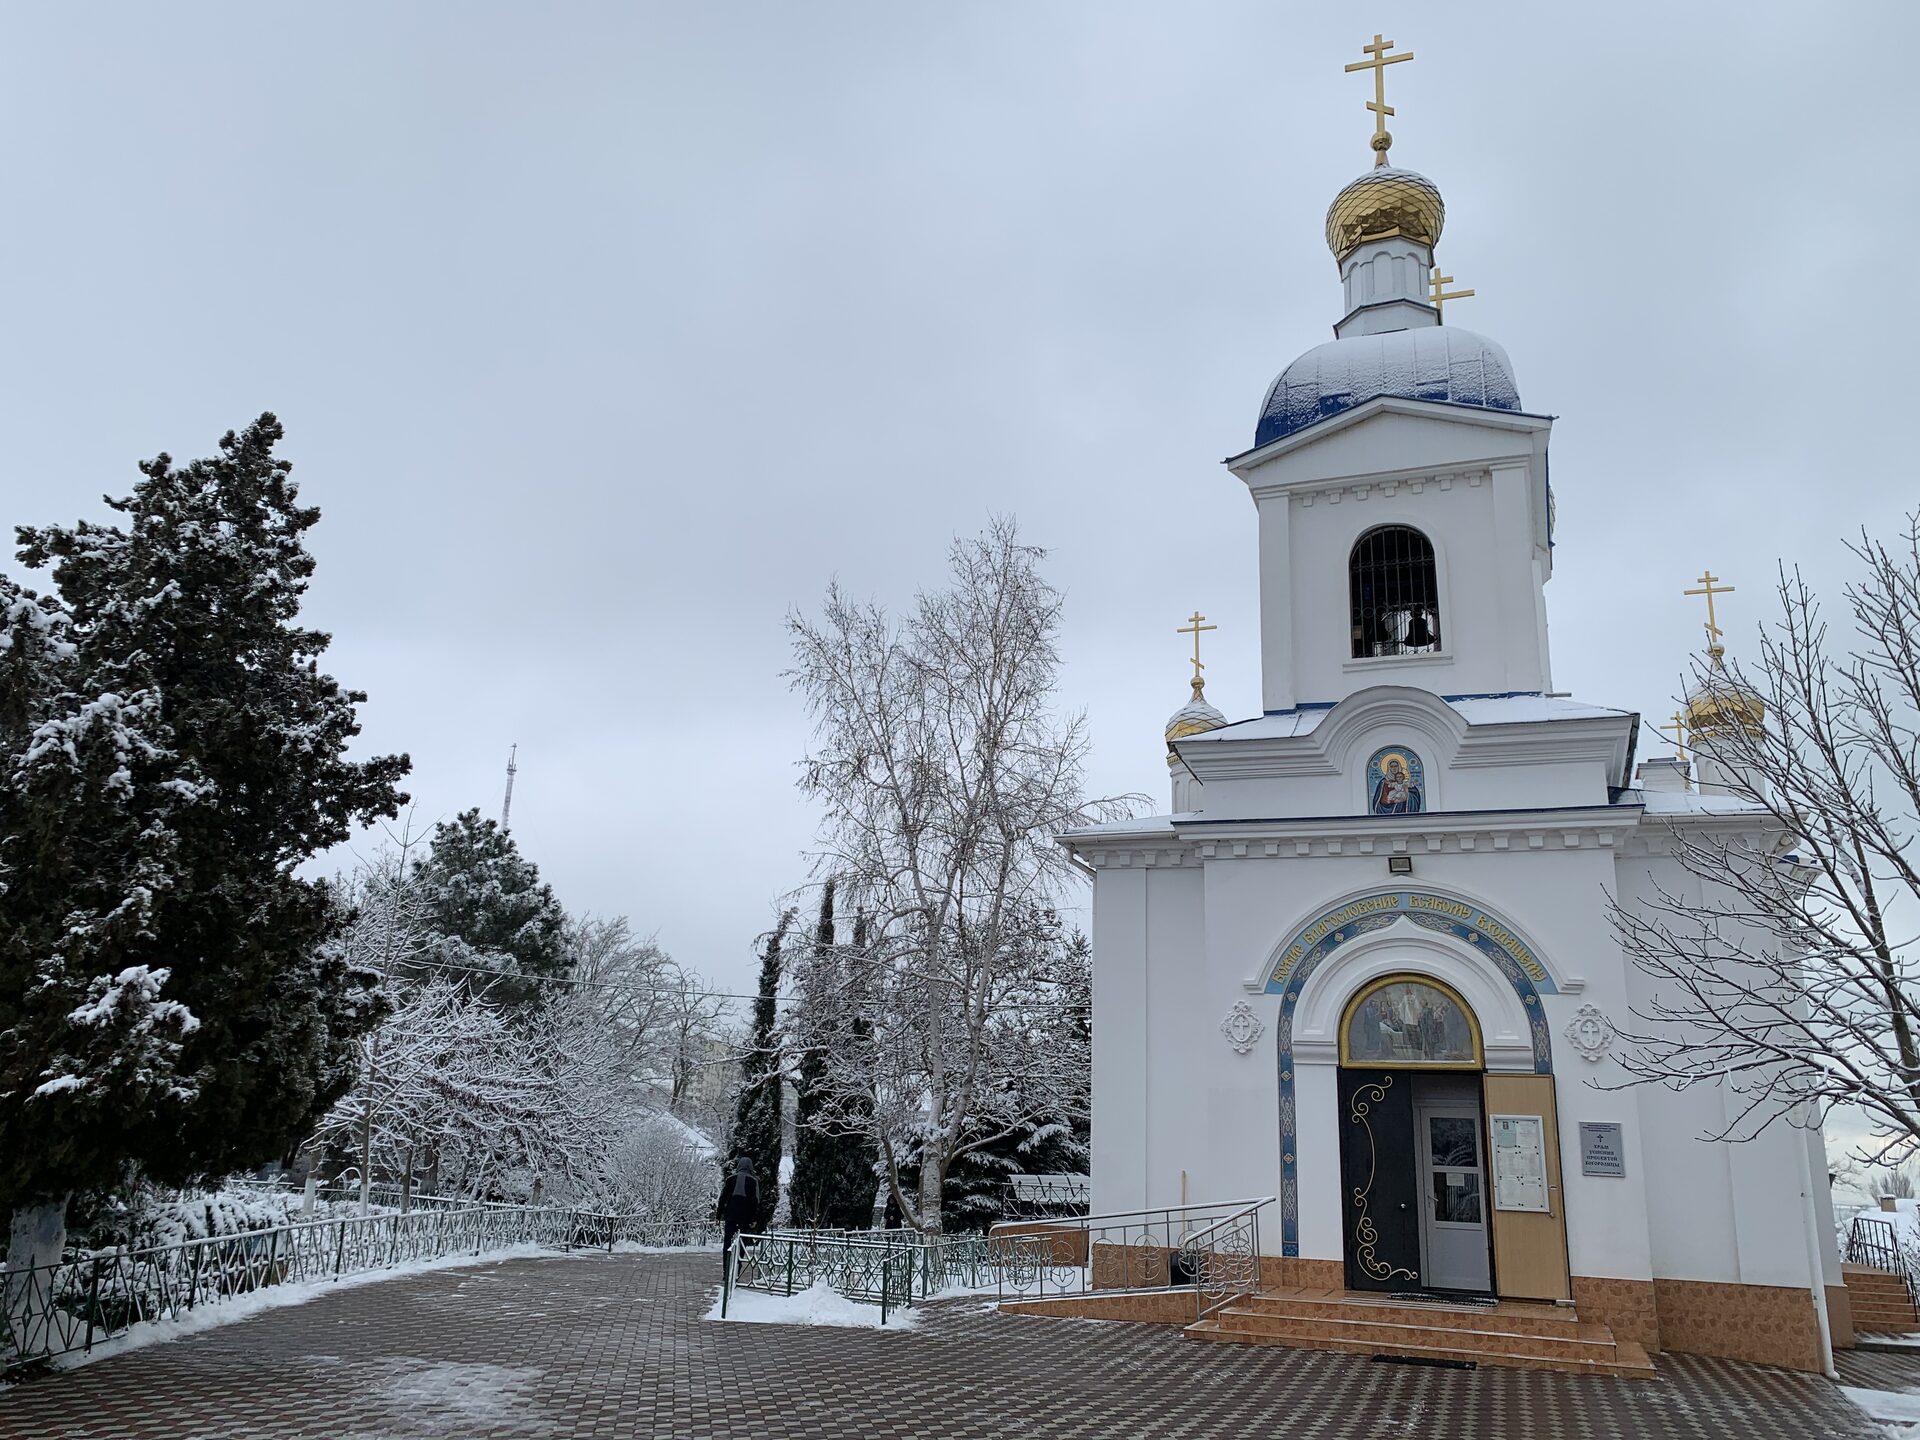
<point x="1475" y="710"/>
<point x="1442" y="363"/>
<point x="1144" y="826"/>
<point x="1690" y="802"/>
<point x="670" y="1124"/>
<point x="1529" y="709"/>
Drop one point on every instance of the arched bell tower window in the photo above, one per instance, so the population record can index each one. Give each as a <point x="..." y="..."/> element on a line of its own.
<point x="1395" y="593"/>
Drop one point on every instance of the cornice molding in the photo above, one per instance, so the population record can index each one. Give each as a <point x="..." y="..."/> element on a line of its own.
<point x="1603" y="739"/>
<point x="1471" y="416"/>
<point x="1598" y="828"/>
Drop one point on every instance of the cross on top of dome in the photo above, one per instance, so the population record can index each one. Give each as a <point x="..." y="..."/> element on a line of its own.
<point x="1377" y="62"/>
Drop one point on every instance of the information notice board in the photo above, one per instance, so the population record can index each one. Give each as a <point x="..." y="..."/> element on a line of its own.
<point x="1601" y="1150"/>
<point x="1519" y="1162"/>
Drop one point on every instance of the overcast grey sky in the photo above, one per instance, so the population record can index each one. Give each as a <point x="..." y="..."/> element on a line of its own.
<point x="606" y="334"/>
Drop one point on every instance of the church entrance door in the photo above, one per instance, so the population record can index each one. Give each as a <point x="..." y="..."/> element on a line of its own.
<point x="1453" y="1200"/>
<point x="1378" y="1177"/>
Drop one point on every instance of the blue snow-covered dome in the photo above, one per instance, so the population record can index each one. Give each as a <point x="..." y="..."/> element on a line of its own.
<point x="1437" y="362"/>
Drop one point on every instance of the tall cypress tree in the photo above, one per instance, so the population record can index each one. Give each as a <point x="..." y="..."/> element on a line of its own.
<point x="164" y="994"/>
<point x="756" y="1124"/>
<point x="833" y="1174"/>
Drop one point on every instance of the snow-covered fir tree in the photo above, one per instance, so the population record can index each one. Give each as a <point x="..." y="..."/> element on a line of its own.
<point x="173" y="753"/>
<point x="499" y="922"/>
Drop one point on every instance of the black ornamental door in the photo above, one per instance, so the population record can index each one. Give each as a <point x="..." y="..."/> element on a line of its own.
<point x="1378" y="1191"/>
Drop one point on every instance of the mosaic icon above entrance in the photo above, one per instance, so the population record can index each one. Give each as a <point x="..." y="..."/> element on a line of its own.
<point x="1396" y="782"/>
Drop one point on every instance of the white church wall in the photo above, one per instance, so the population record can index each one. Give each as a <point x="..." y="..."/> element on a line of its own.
<point x="1724" y="1212"/>
<point x="1178" y="1029"/>
<point x="1822" y="1198"/>
<point x="1456" y="481"/>
<point x="1324" y="774"/>
<point x="1120" y="1059"/>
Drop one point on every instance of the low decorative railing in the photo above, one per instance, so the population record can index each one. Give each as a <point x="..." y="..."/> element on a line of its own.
<point x="1875" y="1242"/>
<point x="1212" y="1250"/>
<point x="890" y="1268"/>
<point x="871" y="1270"/>
<point x="72" y="1305"/>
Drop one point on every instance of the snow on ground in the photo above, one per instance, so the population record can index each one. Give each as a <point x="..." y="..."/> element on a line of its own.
<point x="273" y="1297"/>
<point x="1896" y="1410"/>
<point x="472" y="1394"/>
<point x="820" y="1304"/>
<point x="989" y="1284"/>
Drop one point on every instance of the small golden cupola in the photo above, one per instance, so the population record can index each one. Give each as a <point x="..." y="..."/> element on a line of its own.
<point x="1385" y="204"/>
<point x="1718" y="703"/>
<point x="1196" y="717"/>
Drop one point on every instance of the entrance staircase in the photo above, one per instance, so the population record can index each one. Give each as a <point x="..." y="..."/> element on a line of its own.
<point x="1881" y="1302"/>
<point x="1513" y="1334"/>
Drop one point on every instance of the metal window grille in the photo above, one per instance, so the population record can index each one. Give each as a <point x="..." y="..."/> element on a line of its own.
<point x="1395" y="593"/>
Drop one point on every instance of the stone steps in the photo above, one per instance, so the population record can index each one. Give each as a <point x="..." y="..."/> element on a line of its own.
<point x="1525" y="1337"/>
<point x="1880" y="1301"/>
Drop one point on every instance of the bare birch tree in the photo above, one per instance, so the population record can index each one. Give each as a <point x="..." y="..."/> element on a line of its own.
<point x="1789" y="978"/>
<point x="943" y="774"/>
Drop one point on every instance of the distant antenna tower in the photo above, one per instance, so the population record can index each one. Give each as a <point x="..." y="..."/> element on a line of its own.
<point x="506" y="805"/>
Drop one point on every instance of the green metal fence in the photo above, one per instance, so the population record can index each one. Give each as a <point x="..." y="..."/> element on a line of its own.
<point x="890" y="1268"/>
<point x="72" y="1305"/>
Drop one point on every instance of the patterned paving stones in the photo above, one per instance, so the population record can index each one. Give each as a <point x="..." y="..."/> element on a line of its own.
<point x="615" y="1346"/>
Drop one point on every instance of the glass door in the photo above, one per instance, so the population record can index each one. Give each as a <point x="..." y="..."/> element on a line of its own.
<point x="1453" y="1212"/>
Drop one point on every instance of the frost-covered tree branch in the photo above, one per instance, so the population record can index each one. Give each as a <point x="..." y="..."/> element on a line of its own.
<point x="1784" y="966"/>
<point x="943" y="773"/>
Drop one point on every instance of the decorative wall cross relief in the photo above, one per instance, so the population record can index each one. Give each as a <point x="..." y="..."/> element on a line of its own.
<point x="1590" y="1033"/>
<point x="1242" y="1027"/>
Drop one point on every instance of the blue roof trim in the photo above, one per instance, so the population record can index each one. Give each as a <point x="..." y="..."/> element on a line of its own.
<point x="1439" y="363"/>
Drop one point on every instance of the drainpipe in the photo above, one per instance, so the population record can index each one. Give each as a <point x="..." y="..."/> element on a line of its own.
<point x="1811" y="1229"/>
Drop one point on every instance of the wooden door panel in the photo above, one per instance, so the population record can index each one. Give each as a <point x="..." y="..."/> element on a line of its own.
<point x="1530" y="1247"/>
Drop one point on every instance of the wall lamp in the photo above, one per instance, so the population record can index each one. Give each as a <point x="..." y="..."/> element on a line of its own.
<point x="1399" y="864"/>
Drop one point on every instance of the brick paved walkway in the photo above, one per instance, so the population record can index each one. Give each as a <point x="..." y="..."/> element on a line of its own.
<point x="615" y="1346"/>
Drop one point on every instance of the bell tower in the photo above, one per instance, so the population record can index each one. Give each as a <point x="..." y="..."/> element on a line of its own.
<point x="1405" y="520"/>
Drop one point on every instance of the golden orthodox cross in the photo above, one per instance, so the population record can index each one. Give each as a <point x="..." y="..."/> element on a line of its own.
<point x="1678" y="725"/>
<point x="1441" y="294"/>
<point x="1382" y="141"/>
<point x="1194" y="628"/>
<point x="1710" y="586"/>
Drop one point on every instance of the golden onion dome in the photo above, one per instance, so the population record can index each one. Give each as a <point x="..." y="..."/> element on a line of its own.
<point x="1722" y="705"/>
<point x="1383" y="203"/>
<point x="1196" y="717"/>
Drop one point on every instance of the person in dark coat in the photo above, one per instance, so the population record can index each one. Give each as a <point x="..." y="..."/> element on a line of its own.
<point x="739" y="1206"/>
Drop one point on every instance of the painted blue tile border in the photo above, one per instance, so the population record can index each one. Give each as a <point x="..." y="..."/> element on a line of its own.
<point x="1465" y="920"/>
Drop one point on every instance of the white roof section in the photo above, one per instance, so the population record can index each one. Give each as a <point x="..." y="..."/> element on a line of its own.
<point x="1139" y="827"/>
<point x="1489" y="710"/>
<point x="1690" y="802"/>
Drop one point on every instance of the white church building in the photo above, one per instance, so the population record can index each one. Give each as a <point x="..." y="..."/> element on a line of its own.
<point x="1364" y="964"/>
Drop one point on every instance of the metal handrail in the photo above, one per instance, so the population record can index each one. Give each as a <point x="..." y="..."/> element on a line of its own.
<point x="1875" y="1243"/>
<point x="1212" y="1249"/>
<point x="1124" y="1215"/>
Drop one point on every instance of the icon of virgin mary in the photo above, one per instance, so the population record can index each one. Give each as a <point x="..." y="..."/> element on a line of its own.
<point x="1397" y="791"/>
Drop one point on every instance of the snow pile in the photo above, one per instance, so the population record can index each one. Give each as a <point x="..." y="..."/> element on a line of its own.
<point x="820" y="1304"/>
<point x="158" y="1218"/>
<point x="1898" y="1411"/>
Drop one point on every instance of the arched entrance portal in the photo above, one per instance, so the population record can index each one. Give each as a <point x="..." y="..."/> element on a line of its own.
<point x="1414" y="1159"/>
